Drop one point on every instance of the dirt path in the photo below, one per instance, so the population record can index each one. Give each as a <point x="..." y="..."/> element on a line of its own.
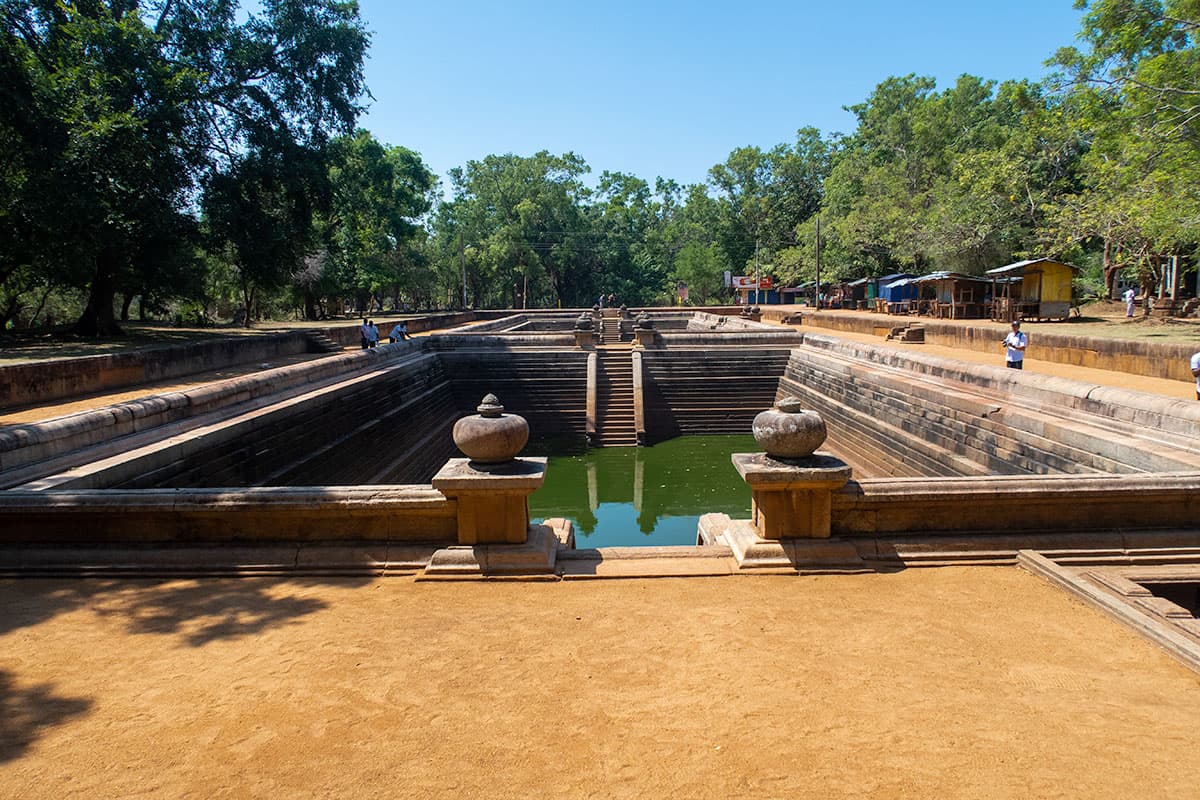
<point x="76" y="404"/>
<point x="1101" y="377"/>
<point x="927" y="683"/>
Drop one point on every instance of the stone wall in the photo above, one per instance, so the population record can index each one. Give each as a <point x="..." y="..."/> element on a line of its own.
<point x="898" y="413"/>
<point x="1137" y="357"/>
<point x="195" y="516"/>
<point x="698" y="391"/>
<point x="384" y="425"/>
<point x="1058" y="505"/>
<point x="23" y="446"/>
<point x="41" y="382"/>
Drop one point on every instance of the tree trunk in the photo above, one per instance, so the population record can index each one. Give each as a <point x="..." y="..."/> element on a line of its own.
<point x="97" y="319"/>
<point x="126" y="302"/>
<point x="248" y="300"/>
<point x="310" y="305"/>
<point x="1110" y="271"/>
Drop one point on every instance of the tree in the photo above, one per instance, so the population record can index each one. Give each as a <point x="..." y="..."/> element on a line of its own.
<point x="377" y="194"/>
<point x="122" y="110"/>
<point x="1132" y="88"/>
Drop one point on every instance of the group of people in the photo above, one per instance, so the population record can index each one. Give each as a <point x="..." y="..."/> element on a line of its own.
<point x="369" y="333"/>
<point x="611" y="298"/>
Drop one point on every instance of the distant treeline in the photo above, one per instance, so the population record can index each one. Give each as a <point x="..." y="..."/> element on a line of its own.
<point x="204" y="162"/>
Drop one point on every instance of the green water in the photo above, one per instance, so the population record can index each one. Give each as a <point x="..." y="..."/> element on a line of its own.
<point x="626" y="496"/>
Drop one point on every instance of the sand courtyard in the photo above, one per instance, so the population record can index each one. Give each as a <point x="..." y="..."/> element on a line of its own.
<point x="951" y="682"/>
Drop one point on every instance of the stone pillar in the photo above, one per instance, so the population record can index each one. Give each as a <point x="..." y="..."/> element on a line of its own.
<point x="491" y="487"/>
<point x="493" y="502"/>
<point x="644" y="332"/>
<point x="792" y="500"/>
<point x="791" y="484"/>
<point x="585" y="332"/>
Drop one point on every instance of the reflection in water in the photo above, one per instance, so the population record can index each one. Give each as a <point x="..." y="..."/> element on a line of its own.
<point x="623" y="496"/>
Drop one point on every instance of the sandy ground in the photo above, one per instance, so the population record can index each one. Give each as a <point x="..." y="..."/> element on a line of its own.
<point x="927" y="683"/>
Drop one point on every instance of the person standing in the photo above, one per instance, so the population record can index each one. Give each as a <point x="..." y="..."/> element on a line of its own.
<point x="1196" y="372"/>
<point x="364" y="334"/>
<point x="1015" y="344"/>
<point x="1129" y="295"/>
<point x="372" y="334"/>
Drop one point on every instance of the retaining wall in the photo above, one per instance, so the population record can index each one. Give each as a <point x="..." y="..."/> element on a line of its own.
<point x="1137" y="357"/>
<point x="1053" y="504"/>
<point x="367" y="513"/>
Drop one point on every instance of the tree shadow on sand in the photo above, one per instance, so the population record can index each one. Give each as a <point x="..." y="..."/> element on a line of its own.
<point x="202" y="611"/>
<point x="26" y="711"/>
<point x="198" y="611"/>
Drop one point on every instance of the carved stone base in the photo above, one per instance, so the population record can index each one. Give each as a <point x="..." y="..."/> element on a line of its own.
<point x="536" y="556"/>
<point x="754" y="553"/>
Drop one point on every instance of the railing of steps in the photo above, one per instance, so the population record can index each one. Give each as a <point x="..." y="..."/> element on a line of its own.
<point x="590" y="429"/>
<point x="639" y="403"/>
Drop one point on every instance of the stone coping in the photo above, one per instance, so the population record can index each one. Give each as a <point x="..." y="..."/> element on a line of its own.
<point x="25" y="443"/>
<point x="1135" y="356"/>
<point x="460" y="474"/>
<point x="1148" y="410"/>
<point x="760" y="469"/>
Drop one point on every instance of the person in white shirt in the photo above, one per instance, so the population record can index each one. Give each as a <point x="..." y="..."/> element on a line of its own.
<point x="1015" y="344"/>
<point x="399" y="332"/>
<point x="1196" y="372"/>
<point x="1129" y="295"/>
<point x="373" y="336"/>
<point x="364" y="333"/>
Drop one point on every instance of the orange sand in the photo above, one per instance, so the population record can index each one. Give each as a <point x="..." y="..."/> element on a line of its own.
<point x="927" y="683"/>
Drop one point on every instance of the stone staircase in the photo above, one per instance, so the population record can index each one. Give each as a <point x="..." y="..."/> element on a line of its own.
<point x="718" y="391"/>
<point x="614" y="399"/>
<point x="319" y="342"/>
<point x="547" y="387"/>
<point x="610" y="326"/>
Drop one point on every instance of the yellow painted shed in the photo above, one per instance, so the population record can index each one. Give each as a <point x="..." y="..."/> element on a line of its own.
<point x="1035" y="289"/>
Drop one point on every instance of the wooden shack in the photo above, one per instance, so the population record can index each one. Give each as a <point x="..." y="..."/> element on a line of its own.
<point x="896" y="292"/>
<point x="1035" y="289"/>
<point x="952" y="295"/>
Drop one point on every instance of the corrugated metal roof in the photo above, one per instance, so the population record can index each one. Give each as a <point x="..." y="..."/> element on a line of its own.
<point x="1021" y="266"/>
<point x="943" y="276"/>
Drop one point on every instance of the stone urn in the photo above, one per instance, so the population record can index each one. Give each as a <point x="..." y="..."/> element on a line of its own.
<point x="491" y="436"/>
<point x="789" y="431"/>
<point x="584" y="323"/>
<point x="644" y="322"/>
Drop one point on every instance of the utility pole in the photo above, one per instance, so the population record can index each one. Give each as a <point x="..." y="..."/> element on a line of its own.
<point x="817" y="288"/>
<point x="462" y="261"/>
<point x="756" y="277"/>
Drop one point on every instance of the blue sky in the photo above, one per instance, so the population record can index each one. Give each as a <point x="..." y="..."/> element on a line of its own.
<point x="669" y="88"/>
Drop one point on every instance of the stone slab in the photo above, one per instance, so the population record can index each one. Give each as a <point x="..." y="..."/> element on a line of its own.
<point x="819" y="469"/>
<point x="752" y="552"/>
<point x="461" y="474"/>
<point x="536" y="556"/>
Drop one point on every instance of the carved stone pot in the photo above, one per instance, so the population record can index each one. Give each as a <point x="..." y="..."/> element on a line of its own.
<point x="789" y="431"/>
<point x="491" y="437"/>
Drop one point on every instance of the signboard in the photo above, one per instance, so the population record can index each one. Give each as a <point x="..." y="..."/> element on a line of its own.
<point x="747" y="282"/>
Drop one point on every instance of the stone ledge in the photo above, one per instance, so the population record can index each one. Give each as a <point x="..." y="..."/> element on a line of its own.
<point x="537" y="556"/>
